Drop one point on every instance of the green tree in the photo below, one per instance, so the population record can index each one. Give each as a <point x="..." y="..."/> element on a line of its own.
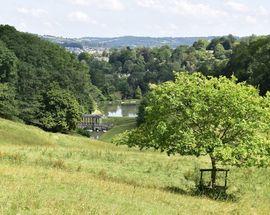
<point x="8" y="103"/>
<point x="196" y="115"/>
<point x="60" y="111"/>
<point x="227" y="42"/>
<point x="84" y="56"/>
<point x="8" y="63"/>
<point x="200" y="44"/>
<point x="138" y="93"/>
<point x="250" y="62"/>
<point x="29" y="90"/>
<point x="31" y="64"/>
<point x="141" y="111"/>
<point x="219" y="52"/>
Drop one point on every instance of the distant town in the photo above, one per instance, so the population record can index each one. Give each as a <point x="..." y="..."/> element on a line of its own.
<point x="100" y="46"/>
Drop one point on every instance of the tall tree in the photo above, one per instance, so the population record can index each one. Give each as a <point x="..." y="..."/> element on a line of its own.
<point x="8" y="65"/>
<point x="60" y="111"/>
<point x="8" y="103"/>
<point x="250" y="62"/>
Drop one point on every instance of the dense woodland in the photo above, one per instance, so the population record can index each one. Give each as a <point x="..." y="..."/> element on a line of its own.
<point x="41" y="83"/>
<point x="129" y="71"/>
<point x="44" y="85"/>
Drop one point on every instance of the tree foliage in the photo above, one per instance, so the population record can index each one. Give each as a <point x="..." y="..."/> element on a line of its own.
<point x="201" y="44"/>
<point x="129" y="69"/>
<point x="226" y="41"/>
<point x="31" y="65"/>
<point x="196" y="115"/>
<point x="8" y="63"/>
<point x="60" y="111"/>
<point x="8" y="103"/>
<point x="138" y="93"/>
<point x="250" y="62"/>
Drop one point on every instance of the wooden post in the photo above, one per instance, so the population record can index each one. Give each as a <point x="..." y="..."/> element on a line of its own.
<point x="226" y="176"/>
<point x="201" y="182"/>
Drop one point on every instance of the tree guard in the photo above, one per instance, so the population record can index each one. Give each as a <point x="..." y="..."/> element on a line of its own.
<point x="210" y="184"/>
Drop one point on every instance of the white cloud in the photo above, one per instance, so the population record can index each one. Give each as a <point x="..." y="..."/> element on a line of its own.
<point x="263" y="11"/>
<point x="182" y="7"/>
<point x="237" y="6"/>
<point x="115" y="5"/>
<point x="196" y="9"/>
<point x="251" y="20"/>
<point x="173" y="27"/>
<point x="23" y="10"/>
<point x="79" y="2"/>
<point x="35" y="12"/>
<point x="79" y="16"/>
<point x="48" y="24"/>
<point x="148" y="3"/>
<point x="139" y="17"/>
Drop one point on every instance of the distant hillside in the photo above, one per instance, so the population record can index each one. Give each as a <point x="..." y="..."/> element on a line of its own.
<point x="117" y="42"/>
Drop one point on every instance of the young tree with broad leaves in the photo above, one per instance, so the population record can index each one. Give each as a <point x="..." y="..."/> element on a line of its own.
<point x="198" y="115"/>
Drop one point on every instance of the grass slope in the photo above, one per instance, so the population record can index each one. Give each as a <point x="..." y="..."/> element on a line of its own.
<point x="45" y="173"/>
<point x="121" y="124"/>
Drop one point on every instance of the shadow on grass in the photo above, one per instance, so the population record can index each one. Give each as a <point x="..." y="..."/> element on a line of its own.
<point x="177" y="190"/>
<point x="208" y="193"/>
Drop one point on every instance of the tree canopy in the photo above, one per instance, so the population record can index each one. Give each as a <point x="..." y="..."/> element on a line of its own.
<point x="8" y="103"/>
<point x="60" y="111"/>
<point x="8" y="63"/>
<point x="29" y="66"/>
<point x="196" y="115"/>
<point x="250" y="62"/>
<point x="128" y="68"/>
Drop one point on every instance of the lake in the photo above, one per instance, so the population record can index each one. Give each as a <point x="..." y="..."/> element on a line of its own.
<point x="119" y="109"/>
<point x="112" y="109"/>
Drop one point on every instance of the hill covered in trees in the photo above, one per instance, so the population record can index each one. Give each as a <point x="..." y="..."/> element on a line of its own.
<point x="41" y="83"/>
<point x="128" y="71"/>
<point x="120" y="42"/>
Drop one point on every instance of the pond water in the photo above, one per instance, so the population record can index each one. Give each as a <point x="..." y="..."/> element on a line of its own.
<point x="119" y="110"/>
<point x="116" y="110"/>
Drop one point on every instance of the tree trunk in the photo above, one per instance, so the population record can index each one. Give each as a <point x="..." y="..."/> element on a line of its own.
<point x="214" y="172"/>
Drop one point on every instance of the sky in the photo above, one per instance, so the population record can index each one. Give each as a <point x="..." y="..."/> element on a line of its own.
<point x="156" y="18"/>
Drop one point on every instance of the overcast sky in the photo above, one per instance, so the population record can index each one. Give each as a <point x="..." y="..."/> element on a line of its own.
<point x="106" y="18"/>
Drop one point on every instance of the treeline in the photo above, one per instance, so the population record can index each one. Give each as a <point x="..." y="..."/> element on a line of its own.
<point x="41" y="83"/>
<point x="250" y="62"/>
<point x="128" y="72"/>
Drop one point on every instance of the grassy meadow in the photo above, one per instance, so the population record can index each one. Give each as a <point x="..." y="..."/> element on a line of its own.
<point x="120" y="124"/>
<point x="46" y="173"/>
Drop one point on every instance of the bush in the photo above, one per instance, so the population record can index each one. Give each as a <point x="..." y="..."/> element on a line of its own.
<point x="83" y="132"/>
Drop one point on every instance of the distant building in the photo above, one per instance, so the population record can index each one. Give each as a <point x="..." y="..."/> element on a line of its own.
<point x="102" y="58"/>
<point x="94" y="122"/>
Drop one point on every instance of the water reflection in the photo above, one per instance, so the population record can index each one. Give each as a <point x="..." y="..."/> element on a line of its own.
<point x="120" y="110"/>
<point x="115" y="110"/>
